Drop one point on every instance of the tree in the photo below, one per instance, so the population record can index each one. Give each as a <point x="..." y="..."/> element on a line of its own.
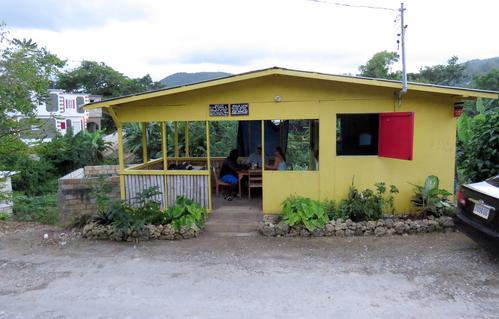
<point x="479" y="156"/>
<point x="451" y="74"/>
<point x="488" y="81"/>
<point x="100" y="79"/>
<point x="26" y="72"/>
<point x="379" y="66"/>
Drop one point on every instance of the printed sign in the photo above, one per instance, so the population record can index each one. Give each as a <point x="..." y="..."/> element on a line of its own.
<point x="219" y="109"/>
<point x="239" y="109"/>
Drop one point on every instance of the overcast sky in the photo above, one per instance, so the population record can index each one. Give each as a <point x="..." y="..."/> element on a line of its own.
<point x="164" y="37"/>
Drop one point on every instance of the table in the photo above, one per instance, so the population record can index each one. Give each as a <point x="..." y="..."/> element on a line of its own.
<point x="247" y="172"/>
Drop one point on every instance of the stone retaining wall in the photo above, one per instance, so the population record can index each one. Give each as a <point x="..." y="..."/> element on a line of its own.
<point x="74" y="190"/>
<point x="149" y="232"/>
<point x="393" y="225"/>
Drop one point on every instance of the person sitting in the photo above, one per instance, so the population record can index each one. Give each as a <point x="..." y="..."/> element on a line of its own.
<point x="255" y="159"/>
<point x="279" y="160"/>
<point x="228" y="173"/>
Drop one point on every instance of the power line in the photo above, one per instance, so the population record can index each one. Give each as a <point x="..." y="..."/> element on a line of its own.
<point x="353" y="5"/>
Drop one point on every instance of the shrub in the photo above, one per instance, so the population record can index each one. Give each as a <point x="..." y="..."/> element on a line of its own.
<point x="478" y="147"/>
<point x="185" y="212"/>
<point x="146" y="210"/>
<point x="299" y="210"/>
<point x="368" y="204"/>
<point x="4" y="216"/>
<point x="333" y="211"/>
<point x="429" y="199"/>
<point x="34" y="177"/>
<point x="70" y="152"/>
<point x="42" y="209"/>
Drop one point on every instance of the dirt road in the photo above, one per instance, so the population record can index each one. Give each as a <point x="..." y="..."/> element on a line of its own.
<point x="418" y="276"/>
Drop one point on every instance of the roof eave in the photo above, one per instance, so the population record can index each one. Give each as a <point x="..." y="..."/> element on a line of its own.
<point x="460" y="92"/>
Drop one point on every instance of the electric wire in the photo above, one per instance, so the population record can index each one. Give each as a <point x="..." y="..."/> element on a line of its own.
<point x="353" y="5"/>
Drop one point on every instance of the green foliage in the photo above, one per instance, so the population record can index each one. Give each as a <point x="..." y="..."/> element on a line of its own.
<point x="4" y="217"/>
<point x="478" y="151"/>
<point x="222" y="137"/>
<point x="299" y="151"/>
<point x="488" y="81"/>
<point x="451" y="74"/>
<point x="430" y="199"/>
<point x="185" y="213"/>
<point x="42" y="209"/>
<point x="299" y="210"/>
<point x="147" y="210"/>
<point x="333" y="211"/>
<point x="133" y="139"/>
<point x="100" y="191"/>
<point x="379" y="66"/>
<point x="26" y="71"/>
<point x="34" y="177"/>
<point x="70" y="152"/>
<point x="124" y="217"/>
<point x="368" y="204"/>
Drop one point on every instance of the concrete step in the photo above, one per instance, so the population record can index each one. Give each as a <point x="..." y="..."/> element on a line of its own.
<point x="231" y="227"/>
<point x="235" y="215"/>
<point x="235" y="219"/>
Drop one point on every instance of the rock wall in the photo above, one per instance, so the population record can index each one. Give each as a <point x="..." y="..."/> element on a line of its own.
<point x="74" y="198"/>
<point x="393" y="225"/>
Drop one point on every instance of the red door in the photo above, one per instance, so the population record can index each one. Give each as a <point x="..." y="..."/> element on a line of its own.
<point x="396" y="133"/>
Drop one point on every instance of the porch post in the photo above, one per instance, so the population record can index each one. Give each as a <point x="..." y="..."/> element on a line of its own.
<point x="144" y="142"/>
<point x="121" y="160"/>
<point x="263" y="160"/>
<point x="175" y="137"/>
<point x="208" y="156"/>
<point x="164" y="149"/>
<point x="186" y="134"/>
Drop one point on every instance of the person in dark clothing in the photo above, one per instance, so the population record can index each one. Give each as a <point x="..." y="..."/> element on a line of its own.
<point x="228" y="173"/>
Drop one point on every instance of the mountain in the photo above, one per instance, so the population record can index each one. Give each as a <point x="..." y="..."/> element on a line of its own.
<point x="183" y="78"/>
<point x="480" y="67"/>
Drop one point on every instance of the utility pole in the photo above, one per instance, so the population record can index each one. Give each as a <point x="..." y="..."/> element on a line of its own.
<point x="402" y="44"/>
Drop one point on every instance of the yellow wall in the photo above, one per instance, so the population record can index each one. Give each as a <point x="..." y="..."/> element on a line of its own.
<point x="434" y="131"/>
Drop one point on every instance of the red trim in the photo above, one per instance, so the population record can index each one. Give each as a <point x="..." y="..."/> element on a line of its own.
<point x="396" y="135"/>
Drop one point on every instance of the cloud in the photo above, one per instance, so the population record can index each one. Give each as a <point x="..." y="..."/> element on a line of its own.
<point x="59" y="15"/>
<point x="137" y="37"/>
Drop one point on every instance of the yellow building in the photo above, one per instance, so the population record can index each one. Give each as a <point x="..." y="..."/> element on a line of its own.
<point x="360" y="130"/>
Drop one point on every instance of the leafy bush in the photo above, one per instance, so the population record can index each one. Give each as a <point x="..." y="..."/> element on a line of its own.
<point x="34" y="177"/>
<point x="124" y="217"/>
<point x="429" y="199"/>
<point x="185" y="212"/>
<point x="478" y="154"/>
<point x="42" y="209"/>
<point x="299" y="210"/>
<point x="146" y="210"/>
<point x="70" y="152"/>
<point x="333" y="211"/>
<point x="368" y="204"/>
<point x="4" y="217"/>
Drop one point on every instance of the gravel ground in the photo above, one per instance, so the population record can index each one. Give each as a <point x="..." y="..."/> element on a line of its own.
<point x="430" y="275"/>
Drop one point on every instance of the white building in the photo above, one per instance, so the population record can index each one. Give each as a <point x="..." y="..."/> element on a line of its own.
<point x="64" y="110"/>
<point x="5" y="189"/>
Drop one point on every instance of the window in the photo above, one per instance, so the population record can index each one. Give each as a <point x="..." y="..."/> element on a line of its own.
<point x="52" y="104"/>
<point x="68" y="124"/>
<point x="80" y="101"/>
<point x="357" y="134"/>
<point x="385" y="134"/>
<point x="297" y="139"/>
